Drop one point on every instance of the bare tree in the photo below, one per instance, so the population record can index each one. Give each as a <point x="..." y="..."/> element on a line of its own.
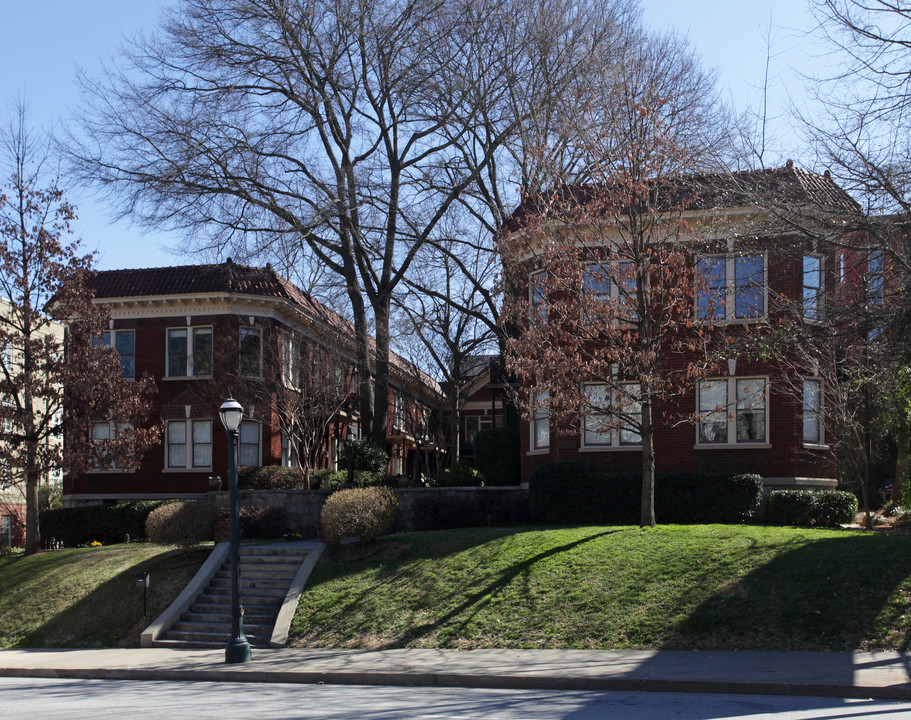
<point x="50" y="387"/>
<point x="351" y="129"/>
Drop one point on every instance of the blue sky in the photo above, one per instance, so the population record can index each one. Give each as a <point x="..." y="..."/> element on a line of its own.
<point x="43" y="42"/>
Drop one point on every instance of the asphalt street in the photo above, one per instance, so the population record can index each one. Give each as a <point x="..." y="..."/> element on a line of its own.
<point x="50" y="699"/>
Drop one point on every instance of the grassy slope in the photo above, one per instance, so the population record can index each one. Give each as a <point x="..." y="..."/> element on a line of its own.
<point x="87" y="597"/>
<point x="709" y="587"/>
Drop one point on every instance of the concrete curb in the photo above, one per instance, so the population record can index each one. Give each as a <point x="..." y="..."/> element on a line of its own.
<point x="883" y="675"/>
<point x="289" y="605"/>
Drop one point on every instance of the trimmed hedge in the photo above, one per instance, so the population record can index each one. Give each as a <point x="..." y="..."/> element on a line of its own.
<point x="271" y="477"/>
<point x="461" y="474"/>
<point x="826" y="508"/>
<point x="108" y="524"/>
<point x="496" y="456"/>
<point x="260" y="522"/>
<point x="568" y="492"/>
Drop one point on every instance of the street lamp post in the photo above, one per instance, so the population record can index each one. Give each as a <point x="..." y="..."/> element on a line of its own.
<point x="238" y="649"/>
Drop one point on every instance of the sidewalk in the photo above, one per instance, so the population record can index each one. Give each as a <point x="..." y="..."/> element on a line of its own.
<point x="882" y="675"/>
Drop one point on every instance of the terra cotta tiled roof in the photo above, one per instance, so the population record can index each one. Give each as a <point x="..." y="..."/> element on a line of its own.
<point x="785" y="187"/>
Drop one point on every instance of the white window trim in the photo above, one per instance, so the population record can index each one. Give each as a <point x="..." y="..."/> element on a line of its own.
<point x="613" y="434"/>
<point x="113" y="428"/>
<point x="112" y="343"/>
<point x="539" y="307"/>
<point x="821" y="444"/>
<point x="730" y="411"/>
<point x="616" y="277"/>
<point x="189" y="446"/>
<point x="820" y="290"/>
<point x="259" y="442"/>
<point x="538" y="416"/>
<point x="191" y="335"/>
<point x="240" y="339"/>
<point x="880" y="276"/>
<point x="730" y="288"/>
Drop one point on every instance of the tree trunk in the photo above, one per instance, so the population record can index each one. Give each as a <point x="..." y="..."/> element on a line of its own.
<point x="647" y="516"/>
<point x="381" y="395"/>
<point x="32" y="480"/>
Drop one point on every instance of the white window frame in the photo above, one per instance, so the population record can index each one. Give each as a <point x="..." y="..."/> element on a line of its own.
<point x="481" y="422"/>
<point x="812" y="311"/>
<point x="729" y="288"/>
<point x="248" y="425"/>
<point x="398" y="411"/>
<point x="816" y="412"/>
<point x="731" y="412"/>
<point x="6" y="530"/>
<point x="611" y="437"/>
<point x="540" y="419"/>
<point x="258" y="332"/>
<point x="110" y="340"/>
<point x="189" y="445"/>
<point x="290" y="456"/>
<point x="617" y="275"/>
<point x="112" y="429"/>
<point x="876" y="278"/>
<point x="191" y="333"/>
<point x="537" y="300"/>
<point x="291" y="355"/>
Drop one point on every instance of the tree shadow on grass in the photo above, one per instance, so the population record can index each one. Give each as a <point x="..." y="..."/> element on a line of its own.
<point x="476" y="601"/>
<point x="112" y="613"/>
<point x="820" y="596"/>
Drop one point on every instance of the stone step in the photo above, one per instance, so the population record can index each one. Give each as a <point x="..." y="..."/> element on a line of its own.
<point x="213" y="639"/>
<point x="250" y="574"/>
<point x="198" y="627"/>
<point x="254" y="583"/>
<point x="248" y="594"/>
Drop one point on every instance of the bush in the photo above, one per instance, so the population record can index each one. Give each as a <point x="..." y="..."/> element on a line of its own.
<point x="568" y="492"/>
<point x="364" y="513"/>
<point x="183" y="524"/>
<point x="835" y="507"/>
<point x="271" y="477"/>
<point x="803" y="507"/>
<point x="496" y="456"/>
<point x="367" y="456"/>
<point x="461" y="474"/>
<point x="262" y="522"/>
<point x="109" y="524"/>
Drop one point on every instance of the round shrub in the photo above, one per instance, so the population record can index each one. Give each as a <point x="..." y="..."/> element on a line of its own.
<point x="835" y="507"/>
<point x="364" y="513"/>
<point x="183" y="524"/>
<point x="790" y="507"/>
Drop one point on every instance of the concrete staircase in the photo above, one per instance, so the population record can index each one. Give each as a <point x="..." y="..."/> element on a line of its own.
<point x="267" y="573"/>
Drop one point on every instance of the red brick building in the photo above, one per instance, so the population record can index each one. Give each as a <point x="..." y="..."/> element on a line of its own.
<point x="746" y="418"/>
<point x="204" y="332"/>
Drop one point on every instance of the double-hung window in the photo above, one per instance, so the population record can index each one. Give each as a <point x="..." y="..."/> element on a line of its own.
<point x="812" y="287"/>
<point x="603" y="284"/>
<point x="101" y="432"/>
<point x="124" y="342"/>
<point x="611" y="418"/>
<point x="291" y="352"/>
<point x="732" y="411"/>
<point x="251" y="352"/>
<point x="731" y="288"/>
<point x="875" y="277"/>
<point x="189" y="444"/>
<point x="537" y="296"/>
<point x="812" y="412"/>
<point x="190" y="352"/>
<point x="540" y="421"/>
<point x="249" y="443"/>
<point x="474" y="424"/>
<point x="6" y="530"/>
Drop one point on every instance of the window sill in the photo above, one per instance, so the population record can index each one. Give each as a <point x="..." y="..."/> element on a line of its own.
<point x="732" y="446"/>
<point x="111" y="471"/>
<point x="541" y="451"/>
<point x="815" y="446"/>
<point x="186" y="470"/>
<point x="187" y="377"/>
<point x="610" y="448"/>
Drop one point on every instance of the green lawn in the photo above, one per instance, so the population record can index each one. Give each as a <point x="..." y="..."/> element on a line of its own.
<point x="87" y="597"/>
<point x="704" y="587"/>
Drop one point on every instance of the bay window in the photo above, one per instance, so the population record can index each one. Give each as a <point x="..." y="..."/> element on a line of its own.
<point x="732" y="411"/>
<point x="189" y="352"/>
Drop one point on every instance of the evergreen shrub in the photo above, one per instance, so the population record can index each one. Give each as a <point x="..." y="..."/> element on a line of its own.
<point x="108" y="524"/>
<point x="363" y="513"/>
<point x="183" y="524"/>
<point x="496" y="456"/>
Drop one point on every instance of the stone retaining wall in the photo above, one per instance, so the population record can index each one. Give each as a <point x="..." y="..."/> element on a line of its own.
<point x="419" y="508"/>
